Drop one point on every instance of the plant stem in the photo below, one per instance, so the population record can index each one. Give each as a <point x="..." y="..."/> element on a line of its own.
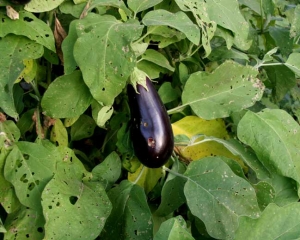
<point x="139" y="176"/>
<point x="174" y="173"/>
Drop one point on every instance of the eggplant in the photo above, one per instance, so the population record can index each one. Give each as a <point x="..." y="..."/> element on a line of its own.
<point x="20" y="2"/>
<point x="151" y="131"/>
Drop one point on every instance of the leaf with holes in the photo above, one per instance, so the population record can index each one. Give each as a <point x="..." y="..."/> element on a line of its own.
<point x="29" y="167"/>
<point x="59" y="134"/>
<point x="274" y="223"/>
<point x="108" y="171"/>
<point x="84" y="204"/>
<point x="14" y="50"/>
<point x="130" y="217"/>
<point x="104" y="55"/>
<point x="72" y="97"/>
<point x="211" y="98"/>
<point x="30" y="26"/>
<point x="274" y="136"/>
<point x="218" y="197"/>
<point x="25" y="223"/>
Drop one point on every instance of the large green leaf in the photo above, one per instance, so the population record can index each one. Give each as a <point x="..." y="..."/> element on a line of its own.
<point x="218" y="197"/>
<point x="275" y="223"/>
<point x="131" y="216"/>
<point x="30" y="26"/>
<point x="104" y="55"/>
<point x="29" y="167"/>
<point x="179" y="21"/>
<point x="14" y="49"/>
<point x="274" y="135"/>
<point x="281" y="36"/>
<point x="231" y="87"/>
<point x="84" y="204"/>
<point x="293" y="63"/>
<point x="71" y="95"/>
<point x="175" y="229"/>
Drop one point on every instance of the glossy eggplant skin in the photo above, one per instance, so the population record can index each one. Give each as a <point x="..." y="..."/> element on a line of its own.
<point x="151" y="130"/>
<point x="20" y="2"/>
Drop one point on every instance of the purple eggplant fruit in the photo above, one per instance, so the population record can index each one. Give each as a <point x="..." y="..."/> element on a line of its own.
<point x="151" y="130"/>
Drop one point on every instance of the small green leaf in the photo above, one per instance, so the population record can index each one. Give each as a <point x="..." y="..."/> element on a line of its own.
<point x="157" y="58"/>
<point x="282" y="39"/>
<point x="141" y="5"/>
<point x="130" y="217"/>
<point x="59" y="134"/>
<point x="265" y="194"/>
<point x="295" y="27"/>
<point x="274" y="223"/>
<point x="172" y="195"/>
<point x="167" y="93"/>
<point x="41" y="6"/>
<point x="66" y="97"/>
<point x="218" y="197"/>
<point x="179" y="21"/>
<point x="82" y="128"/>
<point x="209" y="99"/>
<point x="175" y="229"/>
<point x="101" y="114"/>
<point x="108" y="171"/>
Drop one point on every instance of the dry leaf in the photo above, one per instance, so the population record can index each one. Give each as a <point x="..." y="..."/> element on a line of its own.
<point x="59" y="35"/>
<point x="12" y="13"/>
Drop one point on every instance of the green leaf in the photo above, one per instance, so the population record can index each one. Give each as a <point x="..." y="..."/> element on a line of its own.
<point x="84" y="204"/>
<point x="274" y="223"/>
<point x="274" y="136"/>
<point x="223" y="53"/>
<point x="130" y="217"/>
<point x="9" y="132"/>
<point x="167" y="93"/>
<point x="282" y="39"/>
<point x="285" y="189"/>
<point x="108" y="171"/>
<point x="29" y="167"/>
<point x="218" y="197"/>
<point x="265" y="194"/>
<point x="172" y="195"/>
<point x="25" y="122"/>
<point x="141" y="5"/>
<point x="209" y="99"/>
<point x="30" y="26"/>
<point x="157" y="58"/>
<point x="236" y="148"/>
<point x="83" y="128"/>
<point x="42" y="6"/>
<point x="2" y="228"/>
<point x="69" y="7"/>
<point x="72" y="97"/>
<point x="175" y="229"/>
<point x="59" y="134"/>
<point x="151" y="69"/>
<point x="293" y="63"/>
<point x="25" y="223"/>
<point x="101" y="114"/>
<point x="179" y="21"/>
<point x="207" y="26"/>
<point x="14" y="50"/>
<point x="67" y="48"/>
<point x="282" y="80"/>
<point x="295" y="27"/>
<point x="104" y="55"/>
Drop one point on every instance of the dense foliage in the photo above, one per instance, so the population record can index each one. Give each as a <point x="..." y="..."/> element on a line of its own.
<point x="226" y="70"/>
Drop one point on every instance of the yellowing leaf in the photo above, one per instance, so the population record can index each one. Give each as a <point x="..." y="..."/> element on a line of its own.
<point x="29" y="71"/>
<point x="148" y="179"/>
<point x="191" y="126"/>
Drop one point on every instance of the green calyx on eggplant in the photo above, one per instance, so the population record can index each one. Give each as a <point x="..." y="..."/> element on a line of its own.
<point x="151" y="130"/>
